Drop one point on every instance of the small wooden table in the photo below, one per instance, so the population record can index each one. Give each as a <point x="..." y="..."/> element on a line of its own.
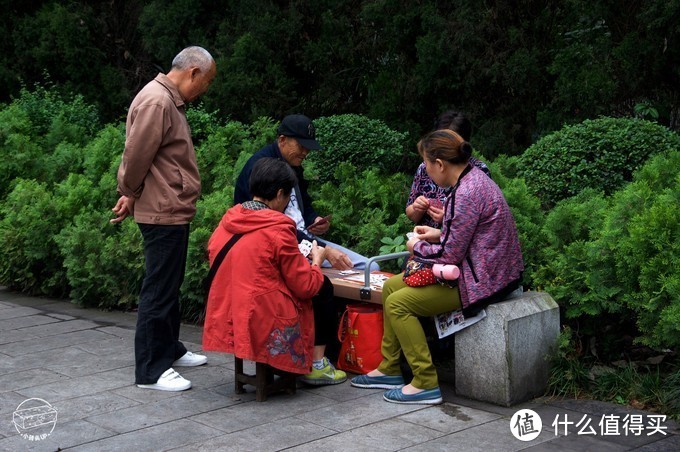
<point x="352" y="290"/>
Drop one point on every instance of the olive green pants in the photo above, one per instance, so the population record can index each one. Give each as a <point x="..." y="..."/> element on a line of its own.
<point x="402" y="305"/>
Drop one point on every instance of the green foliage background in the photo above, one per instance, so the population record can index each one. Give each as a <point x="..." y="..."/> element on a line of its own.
<point x="607" y="251"/>
<point x="519" y="69"/>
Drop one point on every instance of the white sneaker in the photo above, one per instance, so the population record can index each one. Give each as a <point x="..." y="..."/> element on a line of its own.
<point x="169" y="381"/>
<point x="190" y="360"/>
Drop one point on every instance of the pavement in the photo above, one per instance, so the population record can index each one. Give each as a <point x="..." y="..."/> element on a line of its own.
<point x="66" y="383"/>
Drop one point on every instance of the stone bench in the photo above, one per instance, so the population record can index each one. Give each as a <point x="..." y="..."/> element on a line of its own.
<point x="502" y="359"/>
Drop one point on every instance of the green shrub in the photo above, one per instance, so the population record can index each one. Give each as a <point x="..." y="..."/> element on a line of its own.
<point x="365" y="143"/>
<point x="220" y="151"/>
<point x="42" y="134"/>
<point x="612" y="260"/>
<point x="202" y="123"/>
<point x="564" y="261"/>
<point x="601" y="154"/>
<point x="639" y="251"/>
<point x="366" y="207"/>
<point x="58" y="117"/>
<point x="568" y="373"/>
<point x="104" y="263"/>
<point x="526" y="209"/>
<point x="30" y="260"/>
<point x="103" y="152"/>
<point x="209" y="212"/>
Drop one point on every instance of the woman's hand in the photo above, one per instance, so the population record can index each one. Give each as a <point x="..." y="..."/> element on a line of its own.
<point x="436" y="213"/>
<point x="411" y="243"/>
<point x="427" y="233"/>
<point x="421" y="204"/>
<point x="318" y="254"/>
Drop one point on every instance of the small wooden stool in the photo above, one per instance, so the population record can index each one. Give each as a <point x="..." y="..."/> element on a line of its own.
<point x="263" y="380"/>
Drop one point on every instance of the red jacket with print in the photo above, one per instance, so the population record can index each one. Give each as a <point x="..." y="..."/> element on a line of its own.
<point x="259" y="306"/>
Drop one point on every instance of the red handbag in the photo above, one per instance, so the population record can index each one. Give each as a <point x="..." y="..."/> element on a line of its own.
<point x="418" y="274"/>
<point x="360" y="334"/>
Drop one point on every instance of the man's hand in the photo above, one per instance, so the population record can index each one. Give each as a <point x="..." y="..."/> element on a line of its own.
<point x="123" y="208"/>
<point x="320" y="226"/>
<point x="338" y="259"/>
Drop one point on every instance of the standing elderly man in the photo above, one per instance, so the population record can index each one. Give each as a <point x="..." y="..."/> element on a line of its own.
<point x="296" y="137"/>
<point x="159" y="184"/>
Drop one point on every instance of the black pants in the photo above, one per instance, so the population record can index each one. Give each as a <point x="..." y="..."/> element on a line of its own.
<point x="325" y="315"/>
<point x="157" y="343"/>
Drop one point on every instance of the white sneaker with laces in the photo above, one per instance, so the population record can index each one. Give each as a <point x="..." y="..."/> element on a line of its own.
<point x="190" y="360"/>
<point x="169" y="381"/>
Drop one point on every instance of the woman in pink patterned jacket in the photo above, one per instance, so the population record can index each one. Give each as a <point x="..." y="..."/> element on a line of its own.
<point x="479" y="235"/>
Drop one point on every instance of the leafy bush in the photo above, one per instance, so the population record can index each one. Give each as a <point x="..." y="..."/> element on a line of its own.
<point x="58" y="117"/>
<point x="618" y="258"/>
<point x="564" y="269"/>
<point x="42" y="134"/>
<point x="209" y="212"/>
<point x="526" y="209"/>
<point x="218" y="154"/>
<point x="601" y="154"/>
<point x="30" y="261"/>
<point x="366" y="206"/>
<point x="639" y="250"/>
<point x="103" y="152"/>
<point x="365" y="143"/>
<point x="104" y="263"/>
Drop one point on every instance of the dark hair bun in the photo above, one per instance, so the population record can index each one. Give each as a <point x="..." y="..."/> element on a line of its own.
<point x="466" y="150"/>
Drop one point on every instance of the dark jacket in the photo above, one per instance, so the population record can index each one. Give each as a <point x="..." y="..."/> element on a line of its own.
<point x="242" y="188"/>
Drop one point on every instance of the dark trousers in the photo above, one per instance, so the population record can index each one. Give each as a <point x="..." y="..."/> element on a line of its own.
<point x="325" y="315"/>
<point x="157" y="343"/>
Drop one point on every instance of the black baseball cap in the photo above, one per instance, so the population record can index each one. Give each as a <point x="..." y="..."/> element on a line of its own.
<point x="301" y="128"/>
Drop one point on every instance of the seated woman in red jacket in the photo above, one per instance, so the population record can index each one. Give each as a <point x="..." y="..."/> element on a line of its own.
<point x="267" y="303"/>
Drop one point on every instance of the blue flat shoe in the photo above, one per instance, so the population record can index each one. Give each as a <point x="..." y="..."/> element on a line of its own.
<point x="380" y="382"/>
<point x="427" y="397"/>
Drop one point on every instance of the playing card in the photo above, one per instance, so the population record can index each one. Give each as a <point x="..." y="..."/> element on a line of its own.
<point x="305" y="247"/>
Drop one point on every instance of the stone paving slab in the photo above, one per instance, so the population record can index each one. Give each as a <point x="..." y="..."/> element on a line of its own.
<point x="282" y="434"/>
<point x="25" y="321"/>
<point x="388" y="435"/>
<point x="81" y="362"/>
<point x="166" y="436"/>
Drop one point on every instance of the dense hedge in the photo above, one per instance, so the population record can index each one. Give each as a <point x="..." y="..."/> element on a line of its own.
<point x="359" y="141"/>
<point x="600" y="255"/>
<point x="620" y="255"/>
<point x="601" y="154"/>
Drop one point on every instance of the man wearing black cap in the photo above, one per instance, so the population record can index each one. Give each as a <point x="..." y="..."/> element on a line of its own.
<point x="296" y="137"/>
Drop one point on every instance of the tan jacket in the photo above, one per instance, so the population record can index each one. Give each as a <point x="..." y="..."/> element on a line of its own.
<point x="159" y="162"/>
